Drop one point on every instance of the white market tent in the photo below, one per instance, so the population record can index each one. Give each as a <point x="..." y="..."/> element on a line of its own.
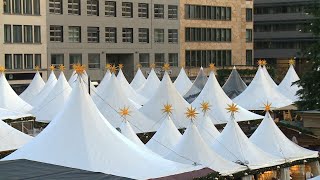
<point x="234" y="145"/>
<point x="192" y="149"/>
<point x="9" y="99"/>
<point x="104" y="81"/>
<point x="260" y="92"/>
<point x="270" y="139"/>
<point x="234" y="84"/>
<point x="128" y="132"/>
<point x="286" y="86"/>
<point x="207" y="130"/>
<point x="166" y="94"/>
<point x="11" y="138"/>
<point x="53" y="103"/>
<point x="182" y="83"/>
<point x="151" y="85"/>
<point x="166" y="137"/>
<point x="73" y="77"/>
<point x="7" y="114"/>
<point x="197" y="86"/>
<point x="138" y="81"/>
<point x="214" y="95"/>
<point x="269" y="78"/>
<point x="33" y="89"/>
<point x="93" y="144"/>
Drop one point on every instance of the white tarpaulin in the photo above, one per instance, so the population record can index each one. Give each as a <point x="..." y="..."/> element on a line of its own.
<point x="33" y="89"/>
<point x="8" y="114"/>
<point x="286" y="86"/>
<point x="182" y="83"/>
<point x="151" y="85"/>
<point x="138" y="81"/>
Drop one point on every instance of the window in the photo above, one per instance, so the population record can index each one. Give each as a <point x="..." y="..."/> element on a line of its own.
<point x="17" y="34"/>
<point x="228" y="13"/>
<point x="173" y="59"/>
<point x="28" y="61"/>
<point x="159" y="35"/>
<point x="143" y="10"/>
<point x="208" y="35"/>
<point x="7" y="33"/>
<point x="249" y="35"/>
<point x="74" y="7"/>
<point x="159" y="11"/>
<point x="74" y="59"/>
<point x="159" y="59"/>
<point x="28" y="34"/>
<point x="8" y="61"/>
<point x="75" y="34"/>
<point x="37" y="60"/>
<point x="16" y="6"/>
<point x="173" y="35"/>
<point x="57" y="59"/>
<point x="127" y="35"/>
<point x="27" y="6"/>
<point x="172" y="12"/>
<point x="37" y="34"/>
<point x="55" y="7"/>
<point x="200" y="12"/>
<point x="93" y="7"/>
<point x="18" y="64"/>
<point x="143" y="35"/>
<point x="228" y="35"/>
<point x="127" y="10"/>
<point x="110" y="9"/>
<point x="36" y="7"/>
<point x="198" y="58"/>
<point x="144" y="59"/>
<point x="249" y="15"/>
<point x="111" y="34"/>
<point x="56" y="33"/>
<point x="93" y="35"/>
<point x="93" y="61"/>
<point x="249" y="57"/>
<point x="7" y="6"/>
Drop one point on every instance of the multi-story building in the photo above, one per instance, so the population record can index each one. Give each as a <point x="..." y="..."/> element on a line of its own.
<point x="281" y="32"/>
<point x="96" y="32"/>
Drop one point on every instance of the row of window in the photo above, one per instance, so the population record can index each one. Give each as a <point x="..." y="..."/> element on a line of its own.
<point x="281" y="9"/>
<point x="208" y="35"/>
<point x="22" y="61"/>
<point x="248" y="35"/>
<point x="282" y="45"/>
<point x="201" y="12"/>
<point x="202" y="58"/>
<point x="110" y="36"/>
<point x="22" y="34"/>
<point x="110" y="9"/>
<point x="27" y="7"/>
<point x="302" y="27"/>
<point x="159" y="59"/>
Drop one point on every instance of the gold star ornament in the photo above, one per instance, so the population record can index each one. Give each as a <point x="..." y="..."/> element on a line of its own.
<point x="124" y="112"/>
<point x="166" y="67"/>
<point x="113" y="69"/>
<point x="37" y="68"/>
<point x="108" y="66"/>
<point x="61" y="67"/>
<point x="2" y="69"/>
<point x="212" y="66"/>
<point x="292" y="62"/>
<point x="139" y="66"/>
<point x="267" y="107"/>
<point x="259" y="62"/>
<point x="205" y="106"/>
<point x="121" y="66"/>
<point x="232" y="108"/>
<point x="264" y="62"/>
<point x="167" y="108"/>
<point x="52" y="67"/>
<point x="80" y="69"/>
<point x="191" y="113"/>
<point x="153" y="66"/>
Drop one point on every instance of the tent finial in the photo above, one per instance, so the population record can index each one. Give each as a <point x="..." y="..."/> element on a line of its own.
<point x="191" y="113"/>
<point x="292" y="62"/>
<point x="264" y="62"/>
<point x="121" y="66"/>
<point x="212" y="66"/>
<point x="79" y="69"/>
<point x="37" y="68"/>
<point x="259" y="62"/>
<point x="113" y="69"/>
<point x="139" y="65"/>
<point x="124" y="112"/>
<point x="232" y="108"/>
<point x="167" y="109"/>
<point x="108" y="66"/>
<point x="267" y="107"/>
<point x="61" y="67"/>
<point x="152" y="66"/>
<point x="205" y="106"/>
<point x="2" y="69"/>
<point x="52" y="67"/>
<point x="166" y="67"/>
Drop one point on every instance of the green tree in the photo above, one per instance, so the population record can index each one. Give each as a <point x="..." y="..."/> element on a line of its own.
<point x="310" y="81"/>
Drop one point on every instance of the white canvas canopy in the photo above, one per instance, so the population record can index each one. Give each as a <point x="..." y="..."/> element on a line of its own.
<point x="214" y="94"/>
<point x="7" y="114"/>
<point x="9" y="99"/>
<point x="128" y="132"/>
<point x="182" y="83"/>
<point x="207" y="130"/>
<point x="191" y="149"/>
<point x="51" y="82"/>
<point x="260" y="92"/>
<point x="112" y="98"/>
<point x="234" y="84"/>
<point x="166" y="137"/>
<point x="33" y="89"/>
<point x="54" y="102"/>
<point x="104" y="81"/>
<point x="138" y="81"/>
<point x="286" y="86"/>
<point x="151" y="85"/>
<point x="166" y="94"/>
<point x="197" y="86"/>
<point x="129" y="91"/>
<point x="270" y="139"/>
<point x="10" y="138"/>
<point x="93" y="144"/>
<point x="269" y="78"/>
<point x="234" y="145"/>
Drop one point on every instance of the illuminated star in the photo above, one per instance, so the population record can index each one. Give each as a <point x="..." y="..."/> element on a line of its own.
<point x="191" y="113"/>
<point x="166" y="67"/>
<point x="292" y="62"/>
<point x="61" y="67"/>
<point x="37" y="68"/>
<point x="120" y="66"/>
<point x="259" y="62"/>
<point x="264" y="62"/>
<point x="80" y="69"/>
<point x="139" y="66"/>
<point x="212" y="66"/>
<point x="205" y="106"/>
<point x="124" y="112"/>
<point x="108" y="66"/>
<point x="52" y="67"/>
<point x="113" y="69"/>
<point x="2" y="69"/>
<point x="267" y="107"/>
<point x="167" y="108"/>
<point x="232" y="108"/>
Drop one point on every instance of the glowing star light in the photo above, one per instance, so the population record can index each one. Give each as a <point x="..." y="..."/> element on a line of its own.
<point x="191" y="113"/>
<point x="108" y="66"/>
<point x="37" y="68"/>
<point x="167" y="108"/>
<point x="113" y="69"/>
<point x="259" y="62"/>
<point x="212" y="66"/>
<point x="120" y="66"/>
<point x="232" y="108"/>
<point x="139" y="66"/>
<point x="292" y="62"/>
<point x="124" y="112"/>
<point x="80" y="69"/>
<point x="264" y="62"/>
<point x="61" y="67"/>
<point x="205" y="107"/>
<point x="52" y="67"/>
<point x="166" y="67"/>
<point x="267" y="107"/>
<point x="2" y="69"/>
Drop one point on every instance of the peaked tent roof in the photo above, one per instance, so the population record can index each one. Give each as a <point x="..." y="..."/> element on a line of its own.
<point x="214" y="94"/>
<point x="109" y="101"/>
<point x="166" y="94"/>
<point x="197" y="86"/>
<point x="129" y="91"/>
<point x="271" y="140"/>
<point x="7" y="114"/>
<point x="260" y="92"/>
<point x="192" y="149"/>
<point x="11" y="138"/>
<point x="51" y="82"/>
<point x="93" y="144"/>
<point x="234" y="84"/>
<point x="182" y="83"/>
<point x="33" y="89"/>
<point x="269" y="78"/>
<point x="286" y="86"/>
<point x="165" y="138"/>
<point x="128" y="132"/>
<point x="104" y="81"/>
<point x="207" y="130"/>
<point x="138" y="81"/>
<point x="151" y="85"/>
<point x="9" y="99"/>
<point x="235" y="146"/>
<point x="54" y="102"/>
<point x="73" y="77"/>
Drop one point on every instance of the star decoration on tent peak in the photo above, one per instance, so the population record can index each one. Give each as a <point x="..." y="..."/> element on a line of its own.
<point x="166" y="67"/>
<point x="264" y="62"/>
<point x="124" y="112"/>
<point x="139" y="66"/>
<point x="108" y="66"/>
<point x="259" y="62"/>
<point x="80" y="69"/>
<point x="205" y="106"/>
<point x="113" y="69"/>
<point x="2" y="69"/>
<point x="232" y="108"/>
<point x="153" y="66"/>
<point x="191" y="113"/>
<point x="167" y="109"/>
<point x="52" y="67"/>
<point x="61" y="67"/>
<point x="121" y="66"/>
<point x="37" y="68"/>
<point x="212" y="66"/>
<point x="267" y="107"/>
<point x="292" y="62"/>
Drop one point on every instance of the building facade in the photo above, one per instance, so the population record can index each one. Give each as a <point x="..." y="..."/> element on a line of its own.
<point x="96" y="32"/>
